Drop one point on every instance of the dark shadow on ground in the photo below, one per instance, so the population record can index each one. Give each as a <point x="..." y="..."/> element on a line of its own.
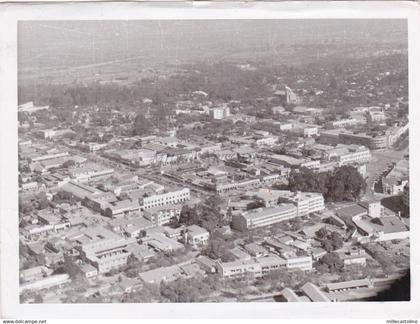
<point x="399" y="291"/>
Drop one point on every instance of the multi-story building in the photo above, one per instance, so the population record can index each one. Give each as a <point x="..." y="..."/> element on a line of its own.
<point x="303" y="262"/>
<point x="394" y="133"/>
<point x="162" y="215"/>
<point x="219" y="112"/>
<point x="291" y="97"/>
<point x="342" y="123"/>
<point x="85" y="174"/>
<point x="120" y="207"/>
<point x="46" y="283"/>
<point x="305" y="202"/>
<point x="256" y="267"/>
<point x="196" y="236"/>
<point x="51" y="133"/>
<point x="406" y="195"/>
<point x="29" y="107"/>
<point x="49" y="156"/>
<point x="106" y="254"/>
<point x="308" y="202"/>
<point x="349" y="154"/>
<point x="266" y="140"/>
<point x="92" y="147"/>
<point x="310" y="131"/>
<point x="394" y="182"/>
<point x="337" y="136"/>
<point x="263" y="217"/>
<point x="168" y="198"/>
<point x="35" y="273"/>
<point x="235" y="185"/>
<point x="372" y="142"/>
<point x="375" y="114"/>
<point x="353" y="256"/>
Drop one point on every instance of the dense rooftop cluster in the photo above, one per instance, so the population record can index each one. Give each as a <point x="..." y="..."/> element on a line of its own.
<point x="190" y="197"/>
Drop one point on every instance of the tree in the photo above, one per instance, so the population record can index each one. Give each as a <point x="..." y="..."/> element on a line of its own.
<point x="26" y="295"/>
<point x="208" y="214"/>
<point x="295" y="224"/>
<point x="255" y="204"/>
<point x="25" y="207"/>
<point x="327" y="245"/>
<point x="141" y="125"/>
<point x="69" y="164"/>
<point x="345" y="183"/>
<point x="188" y="215"/>
<point x="64" y="196"/>
<point x="322" y="233"/>
<point x="42" y="201"/>
<point x="337" y="240"/>
<point x="185" y="290"/>
<point x="333" y="261"/>
<point x="218" y="247"/>
<point x="38" y="299"/>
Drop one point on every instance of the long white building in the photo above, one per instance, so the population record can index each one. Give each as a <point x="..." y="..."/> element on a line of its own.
<point x="305" y="202"/>
<point x="256" y="267"/>
<point x="168" y="198"/>
<point x="263" y="217"/>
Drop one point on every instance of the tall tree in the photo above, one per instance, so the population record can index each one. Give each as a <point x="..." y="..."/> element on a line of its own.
<point x="141" y="125"/>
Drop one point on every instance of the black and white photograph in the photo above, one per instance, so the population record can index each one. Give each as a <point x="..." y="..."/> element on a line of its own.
<point x="215" y="160"/>
<point x="249" y="161"/>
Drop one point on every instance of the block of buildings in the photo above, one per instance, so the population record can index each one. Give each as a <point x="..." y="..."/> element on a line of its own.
<point x="29" y="107"/>
<point x="219" y="113"/>
<point x="348" y="154"/>
<point x="160" y="242"/>
<point x="339" y="135"/>
<point x="349" y="285"/>
<point x="196" y="236"/>
<point x="263" y="217"/>
<point x="46" y="283"/>
<point x="34" y="273"/>
<point x="163" y="215"/>
<point x="353" y="255"/>
<point x="120" y="208"/>
<point x="164" y="199"/>
<point x="394" y="182"/>
<point x="256" y="267"/>
<point x="305" y="202"/>
<point x="103" y="249"/>
<point x="88" y="270"/>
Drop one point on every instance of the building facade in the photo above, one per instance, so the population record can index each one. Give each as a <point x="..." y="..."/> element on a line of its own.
<point x="263" y="217"/>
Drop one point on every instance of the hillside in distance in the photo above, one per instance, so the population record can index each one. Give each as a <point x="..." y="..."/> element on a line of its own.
<point x="60" y="51"/>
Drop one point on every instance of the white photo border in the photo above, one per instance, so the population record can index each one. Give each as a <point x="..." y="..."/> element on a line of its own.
<point x="10" y="14"/>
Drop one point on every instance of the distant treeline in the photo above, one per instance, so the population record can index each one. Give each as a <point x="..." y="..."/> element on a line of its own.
<point x="226" y="81"/>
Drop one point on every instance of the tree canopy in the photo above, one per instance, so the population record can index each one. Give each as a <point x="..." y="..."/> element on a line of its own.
<point x="343" y="184"/>
<point x="207" y="214"/>
<point x="141" y="125"/>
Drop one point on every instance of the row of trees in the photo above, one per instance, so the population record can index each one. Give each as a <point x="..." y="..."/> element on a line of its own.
<point x="222" y="81"/>
<point x="183" y="290"/>
<point x="343" y="184"/>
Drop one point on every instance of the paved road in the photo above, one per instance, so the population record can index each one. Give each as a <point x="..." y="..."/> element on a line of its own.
<point x="379" y="163"/>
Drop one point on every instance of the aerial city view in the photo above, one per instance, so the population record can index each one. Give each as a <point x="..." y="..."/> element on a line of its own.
<point x="213" y="161"/>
